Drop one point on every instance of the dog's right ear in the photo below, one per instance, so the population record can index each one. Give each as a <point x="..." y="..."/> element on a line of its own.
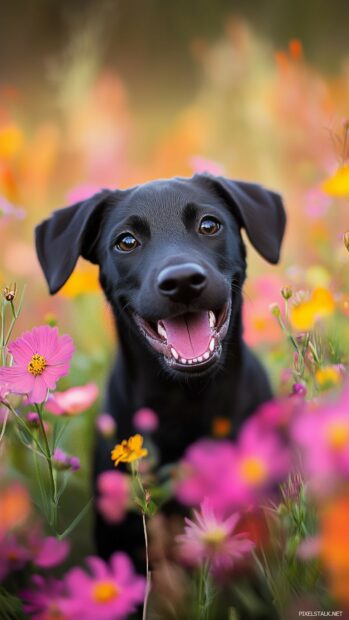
<point x="67" y="234"/>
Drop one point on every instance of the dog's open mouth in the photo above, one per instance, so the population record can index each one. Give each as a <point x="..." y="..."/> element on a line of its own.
<point x="188" y="341"/>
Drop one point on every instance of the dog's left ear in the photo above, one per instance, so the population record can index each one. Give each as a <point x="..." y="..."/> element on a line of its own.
<point x="258" y="210"/>
<point x="69" y="233"/>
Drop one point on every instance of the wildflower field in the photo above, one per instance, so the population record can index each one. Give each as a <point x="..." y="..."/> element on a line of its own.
<point x="267" y="528"/>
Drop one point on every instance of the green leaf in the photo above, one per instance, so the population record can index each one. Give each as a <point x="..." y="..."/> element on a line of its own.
<point x="77" y="520"/>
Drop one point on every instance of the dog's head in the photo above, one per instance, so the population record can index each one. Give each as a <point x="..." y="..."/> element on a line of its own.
<point x="171" y="257"/>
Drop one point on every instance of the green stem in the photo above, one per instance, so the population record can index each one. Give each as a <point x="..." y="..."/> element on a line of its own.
<point x="48" y="456"/>
<point x="3" y="359"/>
<point x="148" y="573"/>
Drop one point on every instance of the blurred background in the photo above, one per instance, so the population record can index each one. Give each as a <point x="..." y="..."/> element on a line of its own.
<point x="114" y="93"/>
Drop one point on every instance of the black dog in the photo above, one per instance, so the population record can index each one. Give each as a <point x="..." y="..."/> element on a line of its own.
<point x="172" y="265"/>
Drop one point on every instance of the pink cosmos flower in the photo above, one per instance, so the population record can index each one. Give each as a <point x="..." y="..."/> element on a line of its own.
<point x="43" y="600"/>
<point x="108" y="592"/>
<point x="323" y="435"/>
<point x="261" y="460"/>
<point x="41" y="357"/>
<point x="210" y="538"/>
<point x="233" y="475"/>
<point x="145" y="420"/>
<point x="106" y="425"/>
<point x="114" y="495"/>
<point x="13" y="555"/>
<point x="205" y="472"/>
<point x="72" y="401"/>
<point x="47" y="552"/>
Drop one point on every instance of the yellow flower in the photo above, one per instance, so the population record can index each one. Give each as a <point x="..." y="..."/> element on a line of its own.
<point x="129" y="450"/>
<point x="304" y="315"/>
<point x="327" y="377"/>
<point x="338" y="184"/>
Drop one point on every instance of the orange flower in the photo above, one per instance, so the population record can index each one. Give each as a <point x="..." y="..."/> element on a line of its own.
<point x="129" y="450"/>
<point x="14" y="506"/>
<point x="334" y="546"/>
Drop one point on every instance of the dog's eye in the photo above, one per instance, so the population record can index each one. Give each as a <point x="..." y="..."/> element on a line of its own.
<point x="126" y="243"/>
<point x="209" y="226"/>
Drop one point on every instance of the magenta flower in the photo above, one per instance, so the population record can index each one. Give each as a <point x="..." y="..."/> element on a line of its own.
<point x="145" y="420"/>
<point x="13" y="555"/>
<point x="106" y="425"/>
<point x="72" y="401"/>
<point x="108" y="592"/>
<point x="205" y="471"/>
<point x="43" y="600"/>
<point x="114" y="495"/>
<point x="260" y="461"/>
<point x="47" y="552"/>
<point x="233" y="475"/>
<point x="209" y="538"/>
<point x="41" y="357"/>
<point x="323" y="435"/>
<point x="62" y="461"/>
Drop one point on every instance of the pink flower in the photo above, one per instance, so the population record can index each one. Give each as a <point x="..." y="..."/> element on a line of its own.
<point x="233" y="475"/>
<point x="205" y="472"/>
<point x="13" y="555"/>
<point x="47" y="552"/>
<point x="260" y="461"/>
<point x="72" y="401"/>
<point x="210" y="538"/>
<point x="41" y="357"/>
<point x="114" y="490"/>
<point x="44" y="599"/>
<point x="106" y="425"/>
<point x="202" y="164"/>
<point x="63" y="461"/>
<point x="145" y="420"/>
<point x="323" y="435"/>
<point x="108" y="592"/>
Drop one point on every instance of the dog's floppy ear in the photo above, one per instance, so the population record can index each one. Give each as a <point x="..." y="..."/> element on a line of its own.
<point x="67" y="234"/>
<point x="259" y="211"/>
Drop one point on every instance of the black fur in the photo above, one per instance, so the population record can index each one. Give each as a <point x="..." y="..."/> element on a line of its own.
<point x="164" y="216"/>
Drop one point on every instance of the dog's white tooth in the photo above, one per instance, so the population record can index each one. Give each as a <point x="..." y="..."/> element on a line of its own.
<point x="212" y="318"/>
<point x="174" y="353"/>
<point x="190" y="361"/>
<point x="183" y="360"/>
<point x="200" y="358"/>
<point x="206" y="355"/>
<point x="161" y="330"/>
<point x="195" y="359"/>
<point x="212" y="345"/>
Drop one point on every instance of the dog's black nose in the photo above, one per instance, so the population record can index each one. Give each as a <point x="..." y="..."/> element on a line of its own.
<point x="182" y="282"/>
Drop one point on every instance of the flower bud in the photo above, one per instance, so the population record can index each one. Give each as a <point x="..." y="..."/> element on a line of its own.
<point x="286" y="292"/>
<point x="9" y="292"/>
<point x="275" y="310"/>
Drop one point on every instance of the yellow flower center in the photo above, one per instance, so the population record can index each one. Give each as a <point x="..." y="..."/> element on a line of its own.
<point x="105" y="591"/>
<point x="253" y="470"/>
<point x="214" y="537"/>
<point x="338" y="435"/>
<point x="37" y="365"/>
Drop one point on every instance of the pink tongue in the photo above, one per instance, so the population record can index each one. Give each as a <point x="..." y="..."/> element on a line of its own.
<point x="189" y="334"/>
